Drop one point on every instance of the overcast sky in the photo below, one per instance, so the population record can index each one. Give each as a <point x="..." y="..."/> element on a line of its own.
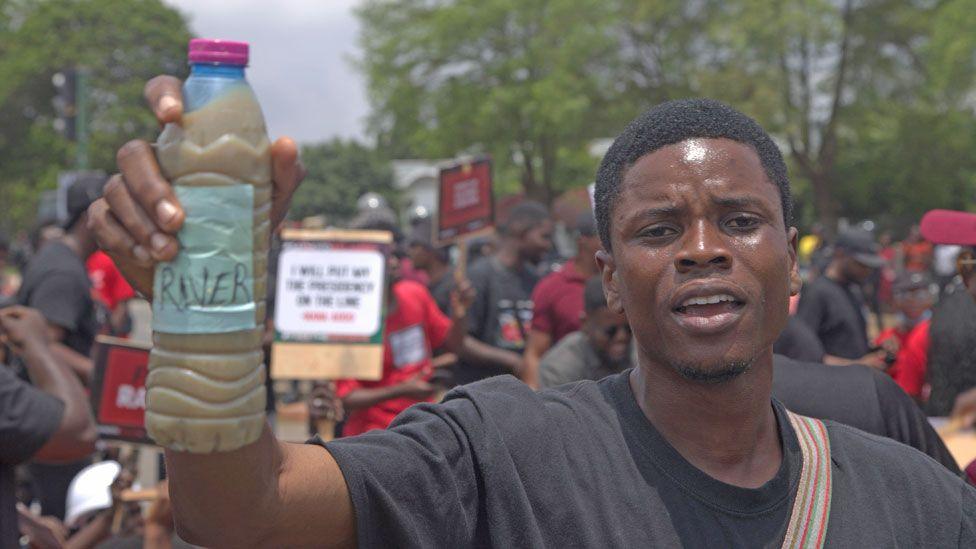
<point x="300" y="67"/>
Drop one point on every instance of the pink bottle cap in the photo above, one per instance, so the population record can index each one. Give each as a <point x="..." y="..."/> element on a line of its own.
<point x="223" y="52"/>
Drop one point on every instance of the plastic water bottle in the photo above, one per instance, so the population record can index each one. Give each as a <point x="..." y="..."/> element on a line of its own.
<point x="206" y="377"/>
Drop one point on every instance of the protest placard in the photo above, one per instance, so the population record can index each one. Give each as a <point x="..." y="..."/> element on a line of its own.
<point x="466" y="205"/>
<point x="119" y="389"/>
<point x="329" y="303"/>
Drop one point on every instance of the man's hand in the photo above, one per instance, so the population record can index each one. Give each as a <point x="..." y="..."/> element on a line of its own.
<point x="462" y="296"/>
<point x="137" y="219"/>
<point x="23" y="328"/>
<point x="964" y="409"/>
<point x="416" y="388"/>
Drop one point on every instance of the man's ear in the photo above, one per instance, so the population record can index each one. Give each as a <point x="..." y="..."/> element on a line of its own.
<point x="608" y="272"/>
<point x="796" y="282"/>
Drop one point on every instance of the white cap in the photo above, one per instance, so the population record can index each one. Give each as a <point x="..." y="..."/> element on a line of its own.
<point x="90" y="491"/>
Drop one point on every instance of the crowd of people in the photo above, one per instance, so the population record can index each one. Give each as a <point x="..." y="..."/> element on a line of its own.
<point x="640" y="400"/>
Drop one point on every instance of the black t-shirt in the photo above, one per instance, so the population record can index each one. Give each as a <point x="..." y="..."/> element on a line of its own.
<point x="834" y="313"/>
<point x="952" y="351"/>
<point x="28" y="418"/>
<point x="799" y="342"/>
<point x="501" y="313"/>
<point x="579" y="465"/>
<point x="56" y="283"/>
<point x="860" y="397"/>
<point x="440" y="290"/>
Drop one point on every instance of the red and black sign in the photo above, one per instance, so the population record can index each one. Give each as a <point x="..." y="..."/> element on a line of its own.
<point x="119" y="390"/>
<point x="466" y="204"/>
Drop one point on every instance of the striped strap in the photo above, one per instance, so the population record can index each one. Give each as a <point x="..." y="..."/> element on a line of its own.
<point x="811" y="508"/>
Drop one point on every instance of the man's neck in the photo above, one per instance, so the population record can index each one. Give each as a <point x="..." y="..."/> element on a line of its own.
<point x="508" y="254"/>
<point x="727" y="430"/>
<point x="833" y="272"/>
<point x="81" y="246"/>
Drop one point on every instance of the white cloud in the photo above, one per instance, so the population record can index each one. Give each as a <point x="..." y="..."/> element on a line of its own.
<point x="299" y="61"/>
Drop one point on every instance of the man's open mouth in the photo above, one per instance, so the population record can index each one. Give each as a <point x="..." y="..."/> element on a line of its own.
<point x="709" y="305"/>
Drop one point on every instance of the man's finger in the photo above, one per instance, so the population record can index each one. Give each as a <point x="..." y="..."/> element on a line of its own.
<point x="287" y="172"/>
<point x="111" y="235"/>
<point x="165" y="98"/>
<point x="148" y="187"/>
<point x="131" y="215"/>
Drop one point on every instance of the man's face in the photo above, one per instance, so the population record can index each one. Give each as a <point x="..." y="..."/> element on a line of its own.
<point x="855" y="271"/>
<point x="419" y="255"/>
<point x="609" y="334"/>
<point x="537" y="241"/>
<point x="702" y="264"/>
<point x="913" y="303"/>
<point x="587" y="246"/>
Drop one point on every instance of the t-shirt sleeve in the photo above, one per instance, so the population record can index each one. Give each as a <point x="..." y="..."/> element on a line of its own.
<point x="437" y="323"/>
<point x="478" y="311"/>
<point x="967" y="526"/>
<point x="28" y="418"/>
<point x="905" y="422"/>
<point x="561" y="364"/>
<point x="416" y="481"/>
<point x="810" y="309"/>
<point x="912" y="363"/>
<point x="346" y="386"/>
<point x="61" y="299"/>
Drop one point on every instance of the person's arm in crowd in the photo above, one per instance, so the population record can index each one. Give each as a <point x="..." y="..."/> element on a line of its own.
<point x="478" y="352"/>
<point x="539" y="343"/>
<point x="875" y="359"/>
<point x="60" y="298"/>
<point x="158" y="529"/>
<point x="24" y="329"/>
<point x="274" y="494"/>
<point x="82" y="366"/>
<point x="416" y="388"/>
<point x="964" y="409"/>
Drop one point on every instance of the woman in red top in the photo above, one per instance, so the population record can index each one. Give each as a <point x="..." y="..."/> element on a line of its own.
<point x="415" y="326"/>
<point x="914" y="295"/>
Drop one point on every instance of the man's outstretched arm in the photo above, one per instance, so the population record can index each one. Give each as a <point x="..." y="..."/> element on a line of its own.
<point x="267" y="494"/>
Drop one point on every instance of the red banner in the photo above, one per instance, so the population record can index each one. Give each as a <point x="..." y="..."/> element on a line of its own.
<point x="119" y="395"/>
<point x="465" y="203"/>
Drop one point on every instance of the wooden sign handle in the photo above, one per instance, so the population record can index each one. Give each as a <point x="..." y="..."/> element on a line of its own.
<point x="461" y="271"/>
<point x="325" y="428"/>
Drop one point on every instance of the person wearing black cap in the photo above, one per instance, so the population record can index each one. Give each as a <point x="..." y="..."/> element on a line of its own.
<point x="832" y="304"/>
<point x="56" y="283"/>
<point x="433" y="260"/>
<point x="907" y="342"/>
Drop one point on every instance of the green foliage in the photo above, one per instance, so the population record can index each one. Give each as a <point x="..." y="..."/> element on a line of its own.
<point x="339" y="172"/>
<point x="122" y="43"/>
<point x="520" y="80"/>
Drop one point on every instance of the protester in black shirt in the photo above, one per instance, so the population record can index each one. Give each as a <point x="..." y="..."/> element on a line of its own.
<point x="56" y="283"/>
<point x="686" y="449"/>
<point x="799" y="342"/>
<point x="952" y="333"/>
<point x="501" y="314"/>
<point x="48" y="420"/>
<point x="832" y="305"/>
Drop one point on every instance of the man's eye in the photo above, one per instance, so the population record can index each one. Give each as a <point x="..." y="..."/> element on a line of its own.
<point x="743" y="222"/>
<point x="658" y="232"/>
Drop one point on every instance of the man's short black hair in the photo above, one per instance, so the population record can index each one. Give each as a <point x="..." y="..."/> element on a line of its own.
<point x="593" y="296"/>
<point x="676" y="121"/>
<point x="523" y="217"/>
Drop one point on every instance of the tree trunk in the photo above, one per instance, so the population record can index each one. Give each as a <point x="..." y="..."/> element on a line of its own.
<point x="823" y="200"/>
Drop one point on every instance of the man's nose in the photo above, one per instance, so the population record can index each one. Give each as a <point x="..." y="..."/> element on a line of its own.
<point x="703" y="246"/>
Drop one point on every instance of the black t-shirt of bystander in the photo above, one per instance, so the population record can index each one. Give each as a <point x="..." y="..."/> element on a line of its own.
<point x="440" y="290"/>
<point x="56" y="284"/>
<point x="501" y="313"/>
<point x="799" y="342"/>
<point x="834" y="313"/>
<point x="28" y="418"/>
<point x="499" y="465"/>
<point x="860" y="397"/>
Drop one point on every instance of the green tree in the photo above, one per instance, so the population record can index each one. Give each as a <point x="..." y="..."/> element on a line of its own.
<point x="122" y="43"/>
<point x="520" y="80"/>
<point x="339" y="172"/>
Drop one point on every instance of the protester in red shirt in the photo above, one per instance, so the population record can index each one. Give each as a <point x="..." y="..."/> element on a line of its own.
<point x="558" y="299"/>
<point x="111" y="289"/>
<point x="414" y="328"/>
<point x="914" y="295"/>
<point x="917" y="251"/>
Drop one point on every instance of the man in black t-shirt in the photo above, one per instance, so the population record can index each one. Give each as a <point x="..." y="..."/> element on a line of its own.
<point x="47" y="420"/>
<point x="832" y="305"/>
<point x="501" y="314"/>
<point x="56" y="284"/>
<point x="687" y="449"/>
<point x="433" y="260"/>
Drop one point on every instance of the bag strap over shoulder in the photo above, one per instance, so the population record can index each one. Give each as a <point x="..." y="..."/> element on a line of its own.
<point x="811" y="508"/>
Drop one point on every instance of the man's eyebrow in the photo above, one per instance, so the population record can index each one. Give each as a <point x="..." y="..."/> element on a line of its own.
<point x="664" y="210"/>
<point x="739" y="202"/>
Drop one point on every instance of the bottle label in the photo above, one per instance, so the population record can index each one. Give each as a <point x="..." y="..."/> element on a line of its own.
<point x="209" y="287"/>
